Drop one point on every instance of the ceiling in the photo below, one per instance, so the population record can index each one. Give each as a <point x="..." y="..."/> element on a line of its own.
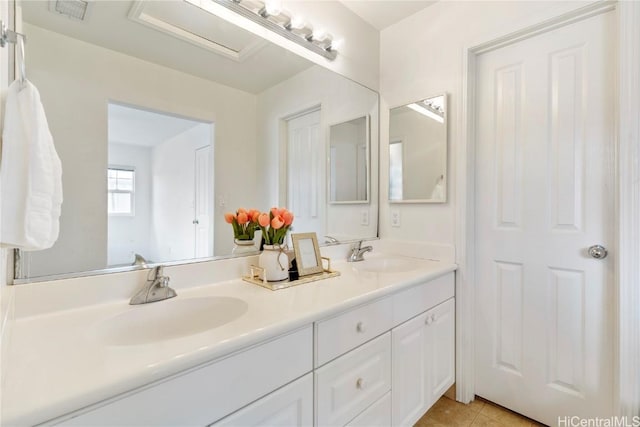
<point x="177" y="35"/>
<point x="134" y="126"/>
<point x="382" y="13"/>
<point x="181" y="36"/>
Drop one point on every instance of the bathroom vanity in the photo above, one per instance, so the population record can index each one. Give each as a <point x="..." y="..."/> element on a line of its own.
<point x="374" y="346"/>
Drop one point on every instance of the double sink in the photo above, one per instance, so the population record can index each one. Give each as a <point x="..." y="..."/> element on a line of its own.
<point x="180" y="317"/>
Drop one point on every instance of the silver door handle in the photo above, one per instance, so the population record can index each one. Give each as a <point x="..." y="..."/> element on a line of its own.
<point x="598" y="252"/>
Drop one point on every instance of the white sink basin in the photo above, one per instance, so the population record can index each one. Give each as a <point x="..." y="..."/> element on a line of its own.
<point x="169" y="319"/>
<point x="386" y="265"/>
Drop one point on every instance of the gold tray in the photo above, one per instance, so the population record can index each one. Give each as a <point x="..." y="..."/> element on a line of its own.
<point x="254" y="277"/>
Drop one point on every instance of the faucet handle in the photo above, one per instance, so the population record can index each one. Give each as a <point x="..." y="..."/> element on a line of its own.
<point x="163" y="281"/>
<point x="156" y="273"/>
<point x="331" y="240"/>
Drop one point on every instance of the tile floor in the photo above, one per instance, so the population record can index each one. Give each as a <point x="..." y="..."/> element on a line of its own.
<point x="447" y="412"/>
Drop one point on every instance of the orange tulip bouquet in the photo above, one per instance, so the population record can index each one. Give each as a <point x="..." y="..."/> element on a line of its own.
<point x="274" y="225"/>
<point x="244" y="223"/>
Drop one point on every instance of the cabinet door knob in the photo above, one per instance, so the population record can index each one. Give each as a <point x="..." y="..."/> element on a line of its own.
<point x="360" y="383"/>
<point x="360" y="327"/>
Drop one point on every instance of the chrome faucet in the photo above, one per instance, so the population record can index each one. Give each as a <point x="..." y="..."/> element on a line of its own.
<point x="357" y="252"/>
<point x="139" y="260"/>
<point x="155" y="289"/>
<point x="331" y="240"/>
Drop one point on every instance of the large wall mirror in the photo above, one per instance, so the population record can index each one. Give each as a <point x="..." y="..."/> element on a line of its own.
<point x="418" y="151"/>
<point x="165" y="117"/>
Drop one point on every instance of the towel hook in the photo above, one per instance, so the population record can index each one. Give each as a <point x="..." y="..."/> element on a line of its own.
<point x="9" y="36"/>
<point x="23" y="61"/>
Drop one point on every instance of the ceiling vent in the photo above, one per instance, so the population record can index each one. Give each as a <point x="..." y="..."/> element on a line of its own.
<point x="72" y="9"/>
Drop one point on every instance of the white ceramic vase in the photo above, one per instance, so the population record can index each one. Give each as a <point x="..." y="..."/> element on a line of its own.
<point x="243" y="247"/>
<point x="275" y="262"/>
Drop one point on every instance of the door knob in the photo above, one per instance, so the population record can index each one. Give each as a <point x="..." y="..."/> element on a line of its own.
<point x="195" y="222"/>
<point x="598" y="252"/>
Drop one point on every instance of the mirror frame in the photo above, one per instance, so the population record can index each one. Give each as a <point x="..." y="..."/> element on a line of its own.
<point x="446" y="163"/>
<point x="367" y="200"/>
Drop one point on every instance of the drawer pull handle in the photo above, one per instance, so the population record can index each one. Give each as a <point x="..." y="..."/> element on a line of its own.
<point x="360" y="383"/>
<point x="360" y="327"/>
<point x="430" y="319"/>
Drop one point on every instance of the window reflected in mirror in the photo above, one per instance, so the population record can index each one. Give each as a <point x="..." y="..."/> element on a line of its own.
<point x="418" y="151"/>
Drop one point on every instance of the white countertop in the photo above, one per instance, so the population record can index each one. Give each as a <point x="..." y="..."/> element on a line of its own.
<point x="56" y="364"/>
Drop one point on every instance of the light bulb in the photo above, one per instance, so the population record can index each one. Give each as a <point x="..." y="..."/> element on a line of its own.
<point x="273" y="7"/>
<point x="300" y="27"/>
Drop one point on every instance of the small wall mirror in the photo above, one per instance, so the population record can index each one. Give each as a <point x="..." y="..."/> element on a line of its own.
<point x="349" y="161"/>
<point x="418" y="151"/>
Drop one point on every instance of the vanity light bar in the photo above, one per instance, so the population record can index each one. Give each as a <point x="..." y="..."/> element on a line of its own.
<point x="425" y="111"/>
<point x="280" y="23"/>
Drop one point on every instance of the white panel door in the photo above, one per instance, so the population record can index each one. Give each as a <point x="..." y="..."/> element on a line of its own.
<point x="306" y="175"/>
<point x="441" y="336"/>
<point x="423" y="366"/>
<point x="544" y="194"/>
<point x="409" y="388"/>
<point x="203" y="203"/>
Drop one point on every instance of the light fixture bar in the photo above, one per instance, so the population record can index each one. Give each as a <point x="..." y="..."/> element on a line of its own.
<point x="278" y="29"/>
<point x="424" y="111"/>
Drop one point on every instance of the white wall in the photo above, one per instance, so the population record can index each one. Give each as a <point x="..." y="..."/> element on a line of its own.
<point x="357" y="42"/>
<point x="173" y="200"/>
<point x="341" y="100"/>
<point x="76" y="82"/>
<point x="422" y="55"/>
<point x="128" y="235"/>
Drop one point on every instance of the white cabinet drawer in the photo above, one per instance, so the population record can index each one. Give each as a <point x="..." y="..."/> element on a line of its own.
<point x="376" y="415"/>
<point x="290" y="406"/>
<point x="349" y="384"/>
<point x="206" y="394"/>
<point x="339" y="334"/>
<point x="415" y="300"/>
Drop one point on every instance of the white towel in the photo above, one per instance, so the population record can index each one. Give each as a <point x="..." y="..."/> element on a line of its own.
<point x="30" y="173"/>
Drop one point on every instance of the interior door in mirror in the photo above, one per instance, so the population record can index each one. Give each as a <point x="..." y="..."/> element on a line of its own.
<point x="349" y="161"/>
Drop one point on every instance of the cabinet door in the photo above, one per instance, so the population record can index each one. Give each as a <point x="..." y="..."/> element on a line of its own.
<point x="376" y="415"/>
<point x="290" y="406"/>
<point x="409" y="392"/>
<point x="440" y="326"/>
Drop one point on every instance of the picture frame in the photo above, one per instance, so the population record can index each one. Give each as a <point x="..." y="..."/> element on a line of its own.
<point x="307" y="252"/>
